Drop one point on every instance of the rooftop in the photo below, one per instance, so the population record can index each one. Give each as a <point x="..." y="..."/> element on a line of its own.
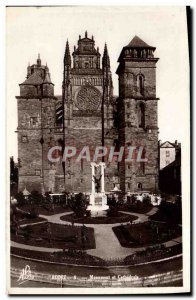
<point x="136" y="42"/>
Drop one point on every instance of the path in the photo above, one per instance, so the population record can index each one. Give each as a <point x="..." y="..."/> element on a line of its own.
<point x="107" y="244"/>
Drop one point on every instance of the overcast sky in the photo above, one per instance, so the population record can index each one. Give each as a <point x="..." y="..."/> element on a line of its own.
<point x="45" y="30"/>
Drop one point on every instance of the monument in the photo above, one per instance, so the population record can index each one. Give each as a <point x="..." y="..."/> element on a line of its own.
<point x="98" y="199"/>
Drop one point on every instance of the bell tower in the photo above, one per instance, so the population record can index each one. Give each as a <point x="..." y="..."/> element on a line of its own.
<point x="137" y="112"/>
<point x="36" y="122"/>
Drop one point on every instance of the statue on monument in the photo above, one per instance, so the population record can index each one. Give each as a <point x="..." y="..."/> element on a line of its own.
<point x="97" y="183"/>
<point x="98" y="195"/>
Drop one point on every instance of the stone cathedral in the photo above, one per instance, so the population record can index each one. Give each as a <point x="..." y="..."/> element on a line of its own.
<point x="88" y="114"/>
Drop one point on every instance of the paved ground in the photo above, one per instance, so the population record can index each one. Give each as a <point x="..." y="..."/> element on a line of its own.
<point x="107" y="244"/>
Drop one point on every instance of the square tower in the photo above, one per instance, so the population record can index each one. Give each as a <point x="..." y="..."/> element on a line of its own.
<point x="36" y="123"/>
<point x="137" y="114"/>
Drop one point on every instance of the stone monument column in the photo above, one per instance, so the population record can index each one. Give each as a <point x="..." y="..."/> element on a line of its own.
<point x="102" y="177"/>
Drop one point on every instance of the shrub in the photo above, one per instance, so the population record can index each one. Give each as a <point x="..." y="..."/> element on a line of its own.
<point x="79" y="205"/>
<point x="20" y="198"/>
<point x="112" y="212"/>
<point x="36" y="197"/>
<point x="146" y="200"/>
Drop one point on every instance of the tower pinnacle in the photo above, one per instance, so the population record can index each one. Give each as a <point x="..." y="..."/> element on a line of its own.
<point x="67" y="57"/>
<point x="38" y="60"/>
<point x="105" y="59"/>
<point x="28" y="70"/>
<point x="47" y="78"/>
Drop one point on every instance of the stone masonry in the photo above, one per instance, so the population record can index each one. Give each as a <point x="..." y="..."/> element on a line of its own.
<point x="88" y="114"/>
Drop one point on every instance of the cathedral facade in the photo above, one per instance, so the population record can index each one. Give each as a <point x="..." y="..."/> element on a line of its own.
<point x="88" y="114"/>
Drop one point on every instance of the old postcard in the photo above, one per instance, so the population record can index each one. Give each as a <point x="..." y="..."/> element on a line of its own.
<point x="98" y="129"/>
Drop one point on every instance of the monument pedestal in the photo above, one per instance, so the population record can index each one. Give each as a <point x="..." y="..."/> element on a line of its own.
<point x="98" y="205"/>
<point x="98" y="200"/>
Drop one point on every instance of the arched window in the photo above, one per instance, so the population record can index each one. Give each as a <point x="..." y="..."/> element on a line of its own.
<point x="141" y="115"/>
<point x="141" y="84"/>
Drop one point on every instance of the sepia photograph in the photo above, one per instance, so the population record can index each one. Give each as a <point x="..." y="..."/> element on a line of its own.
<point x="98" y="149"/>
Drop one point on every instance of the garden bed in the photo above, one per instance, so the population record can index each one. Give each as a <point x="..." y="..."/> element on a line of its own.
<point x="145" y="234"/>
<point x="56" y="236"/>
<point x="119" y="218"/>
<point x="68" y="256"/>
<point x="139" y="208"/>
<point x="169" y="213"/>
<point x="153" y="253"/>
<point x="82" y="258"/>
<point x="31" y="221"/>
<point x="44" y="209"/>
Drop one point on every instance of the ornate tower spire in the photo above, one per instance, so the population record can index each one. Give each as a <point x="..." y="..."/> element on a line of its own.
<point x="66" y="74"/>
<point x="28" y="70"/>
<point x="39" y="61"/>
<point x="67" y="56"/>
<point x="47" y="78"/>
<point x="48" y="86"/>
<point x="106" y="59"/>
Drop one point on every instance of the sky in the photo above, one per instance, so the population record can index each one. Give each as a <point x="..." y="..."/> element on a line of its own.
<point x="45" y="30"/>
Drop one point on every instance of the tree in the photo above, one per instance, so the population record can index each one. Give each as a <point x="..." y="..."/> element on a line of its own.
<point x="13" y="177"/>
<point x="112" y="212"/>
<point x="79" y="205"/>
<point x="47" y="198"/>
<point x="20" y="198"/>
<point x="36" y="197"/>
<point x="146" y="200"/>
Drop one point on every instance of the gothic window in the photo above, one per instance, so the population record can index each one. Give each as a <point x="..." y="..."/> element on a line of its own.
<point x="141" y="115"/>
<point x="134" y="53"/>
<point x="141" y="84"/>
<point x="144" y="53"/>
<point x="88" y="98"/>
<point x="129" y="78"/>
<point x="139" y="185"/>
<point x="142" y="167"/>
